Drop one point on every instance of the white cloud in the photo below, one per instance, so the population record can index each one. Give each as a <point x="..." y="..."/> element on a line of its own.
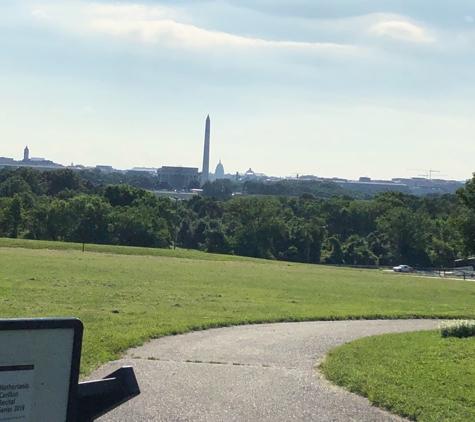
<point x="170" y="27"/>
<point x="469" y="19"/>
<point x="133" y="11"/>
<point x="174" y="34"/>
<point x="401" y="30"/>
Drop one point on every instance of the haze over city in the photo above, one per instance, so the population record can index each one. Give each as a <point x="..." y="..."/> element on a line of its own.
<point x="342" y="89"/>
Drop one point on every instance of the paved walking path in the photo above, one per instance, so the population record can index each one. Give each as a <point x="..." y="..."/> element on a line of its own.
<point x="248" y="373"/>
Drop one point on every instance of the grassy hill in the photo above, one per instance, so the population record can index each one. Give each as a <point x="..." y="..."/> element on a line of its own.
<point x="420" y="376"/>
<point x="125" y="296"/>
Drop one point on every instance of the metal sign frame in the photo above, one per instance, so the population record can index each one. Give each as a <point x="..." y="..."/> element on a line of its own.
<point x="52" y="324"/>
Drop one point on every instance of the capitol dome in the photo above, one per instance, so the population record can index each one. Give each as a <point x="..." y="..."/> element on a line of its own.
<point x="219" y="172"/>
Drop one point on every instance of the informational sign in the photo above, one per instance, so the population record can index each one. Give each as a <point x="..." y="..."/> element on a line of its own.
<point x="39" y="369"/>
<point x="16" y="392"/>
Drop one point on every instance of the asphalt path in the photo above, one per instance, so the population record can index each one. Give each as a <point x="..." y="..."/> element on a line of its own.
<point x="248" y="373"/>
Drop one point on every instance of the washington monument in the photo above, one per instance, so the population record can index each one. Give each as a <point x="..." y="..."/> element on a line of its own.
<point x="205" y="169"/>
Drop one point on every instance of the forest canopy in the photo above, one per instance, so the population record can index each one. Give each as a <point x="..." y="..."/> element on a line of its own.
<point x="392" y="228"/>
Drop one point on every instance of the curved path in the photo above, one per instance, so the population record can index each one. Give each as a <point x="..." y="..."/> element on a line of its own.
<point x="248" y="373"/>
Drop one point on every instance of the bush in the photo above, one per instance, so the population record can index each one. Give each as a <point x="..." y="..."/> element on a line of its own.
<point x="459" y="328"/>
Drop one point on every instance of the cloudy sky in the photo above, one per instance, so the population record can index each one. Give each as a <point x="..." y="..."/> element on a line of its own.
<point x="343" y="88"/>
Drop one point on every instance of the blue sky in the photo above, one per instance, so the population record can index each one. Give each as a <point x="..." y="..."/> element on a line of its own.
<point x="332" y="88"/>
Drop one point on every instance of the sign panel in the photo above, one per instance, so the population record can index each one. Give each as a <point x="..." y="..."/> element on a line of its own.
<point x="16" y="392"/>
<point x="39" y="369"/>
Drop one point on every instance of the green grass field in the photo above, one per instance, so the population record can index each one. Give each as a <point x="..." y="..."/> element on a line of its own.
<point x="421" y="375"/>
<point x="118" y="250"/>
<point x="163" y="292"/>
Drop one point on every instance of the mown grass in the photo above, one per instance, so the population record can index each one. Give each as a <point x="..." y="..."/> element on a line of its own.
<point x="420" y="376"/>
<point x="119" y="250"/>
<point x="163" y="292"/>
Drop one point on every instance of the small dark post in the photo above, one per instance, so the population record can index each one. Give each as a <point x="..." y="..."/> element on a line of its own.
<point x="85" y="229"/>
<point x="176" y="223"/>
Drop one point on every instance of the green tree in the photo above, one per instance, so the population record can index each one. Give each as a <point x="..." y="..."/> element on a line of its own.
<point x="356" y="251"/>
<point x="261" y="230"/>
<point x="407" y="235"/>
<point x="466" y="197"/>
<point x="14" y="185"/>
<point x="58" y="180"/>
<point x="90" y="215"/>
<point x="14" y="216"/>
<point x="139" y="226"/>
<point x="332" y="252"/>
<point x="305" y="239"/>
<point x="219" y="189"/>
<point x="123" y="195"/>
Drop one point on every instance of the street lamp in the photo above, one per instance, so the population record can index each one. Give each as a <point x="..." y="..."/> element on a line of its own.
<point x="176" y="223"/>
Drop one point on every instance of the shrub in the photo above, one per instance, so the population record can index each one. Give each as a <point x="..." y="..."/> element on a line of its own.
<point x="459" y="328"/>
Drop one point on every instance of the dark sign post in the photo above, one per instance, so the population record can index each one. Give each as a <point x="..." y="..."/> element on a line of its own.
<point x="96" y="398"/>
<point x="39" y="373"/>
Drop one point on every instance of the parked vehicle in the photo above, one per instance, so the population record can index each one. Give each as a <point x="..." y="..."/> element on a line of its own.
<point x="403" y="269"/>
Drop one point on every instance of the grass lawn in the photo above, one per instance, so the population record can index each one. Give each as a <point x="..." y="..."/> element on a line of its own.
<point x="118" y="250"/>
<point x="420" y="376"/>
<point x="162" y="292"/>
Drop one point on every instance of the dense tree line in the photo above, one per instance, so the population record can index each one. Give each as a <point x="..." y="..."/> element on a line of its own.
<point x="298" y="187"/>
<point x="222" y="188"/>
<point x="137" y="179"/>
<point x="390" y="229"/>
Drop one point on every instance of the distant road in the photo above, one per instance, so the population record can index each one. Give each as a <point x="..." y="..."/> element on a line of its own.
<point x="249" y="373"/>
<point x="180" y="195"/>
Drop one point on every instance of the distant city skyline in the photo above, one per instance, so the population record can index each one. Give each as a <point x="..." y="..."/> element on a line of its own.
<point x="405" y="172"/>
<point x="346" y="89"/>
<point x="430" y="174"/>
<point x="188" y="180"/>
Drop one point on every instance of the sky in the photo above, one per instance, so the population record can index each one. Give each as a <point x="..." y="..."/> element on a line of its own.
<point x="345" y="88"/>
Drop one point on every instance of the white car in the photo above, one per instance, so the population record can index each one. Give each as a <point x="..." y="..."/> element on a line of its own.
<point x="403" y="269"/>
